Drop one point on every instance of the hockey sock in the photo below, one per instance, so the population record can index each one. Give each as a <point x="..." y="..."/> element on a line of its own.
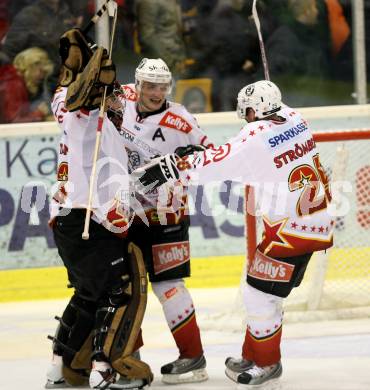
<point x="179" y="311"/>
<point x="264" y="328"/>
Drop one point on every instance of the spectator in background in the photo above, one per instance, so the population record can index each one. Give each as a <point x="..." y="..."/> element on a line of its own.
<point x="15" y="6"/>
<point x="300" y="44"/>
<point x="339" y="17"/>
<point x="40" y="25"/>
<point x="224" y="47"/>
<point x="4" y="17"/>
<point x="160" y="32"/>
<point x="22" y="87"/>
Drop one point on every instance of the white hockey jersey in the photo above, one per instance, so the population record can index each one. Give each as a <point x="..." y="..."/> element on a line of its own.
<point x="75" y="160"/>
<point x="154" y="135"/>
<point x="281" y="161"/>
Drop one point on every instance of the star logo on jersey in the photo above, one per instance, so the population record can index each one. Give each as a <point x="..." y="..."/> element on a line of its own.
<point x="305" y="180"/>
<point x="273" y="234"/>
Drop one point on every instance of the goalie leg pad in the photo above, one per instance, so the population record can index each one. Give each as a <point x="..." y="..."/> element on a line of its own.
<point x="88" y="88"/>
<point x="118" y="325"/>
<point x="74" y="328"/>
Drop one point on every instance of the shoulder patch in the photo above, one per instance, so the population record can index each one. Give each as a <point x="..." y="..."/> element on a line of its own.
<point x="129" y="93"/>
<point x="175" y="122"/>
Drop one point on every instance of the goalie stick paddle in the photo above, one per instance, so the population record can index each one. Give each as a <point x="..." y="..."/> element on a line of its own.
<point x="85" y="234"/>
<point x="262" y="46"/>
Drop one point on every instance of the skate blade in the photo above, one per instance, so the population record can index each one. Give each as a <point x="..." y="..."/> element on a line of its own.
<point x="273" y="384"/>
<point x="135" y="384"/>
<point x="189" y="377"/>
<point x="56" y="385"/>
<point x="232" y="375"/>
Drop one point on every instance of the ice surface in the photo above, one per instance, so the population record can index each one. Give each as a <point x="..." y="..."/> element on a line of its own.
<point x="326" y="355"/>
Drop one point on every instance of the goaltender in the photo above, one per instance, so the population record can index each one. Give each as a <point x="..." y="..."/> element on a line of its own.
<point x="99" y="330"/>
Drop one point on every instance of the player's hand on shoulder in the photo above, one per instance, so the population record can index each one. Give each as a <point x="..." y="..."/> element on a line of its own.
<point x="183" y="151"/>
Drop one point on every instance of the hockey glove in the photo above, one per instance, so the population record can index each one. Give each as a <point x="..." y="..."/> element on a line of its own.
<point x="183" y="151"/>
<point x="75" y="50"/>
<point x="159" y="171"/>
<point x="87" y="90"/>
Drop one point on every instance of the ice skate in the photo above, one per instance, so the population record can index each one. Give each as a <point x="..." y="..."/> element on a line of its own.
<point x="263" y="378"/>
<point x="238" y="365"/>
<point x="185" y="371"/>
<point x="54" y="375"/>
<point x="102" y="376"/>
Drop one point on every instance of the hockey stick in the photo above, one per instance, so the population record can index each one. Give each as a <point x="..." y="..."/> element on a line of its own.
<point x="262" y="46"/>
<point x="250" y="206"/>
<point x="85" y="233"/>
<point x="96" y="17"/>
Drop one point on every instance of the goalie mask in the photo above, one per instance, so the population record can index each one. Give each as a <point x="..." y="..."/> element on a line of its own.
<point x="264" y="97"/>
<point x="154" y="71"/>
<point x="116" y="105"/>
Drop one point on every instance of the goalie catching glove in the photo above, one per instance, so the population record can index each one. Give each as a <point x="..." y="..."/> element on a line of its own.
<point x="159" y="171"/>
<point x="88" y="88"/>
<point x="75" y="50"/>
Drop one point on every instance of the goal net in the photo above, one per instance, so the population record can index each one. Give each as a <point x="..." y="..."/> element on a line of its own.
<point x="337" y="283"/>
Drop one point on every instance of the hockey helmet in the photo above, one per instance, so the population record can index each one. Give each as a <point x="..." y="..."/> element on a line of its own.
<point x="154" y="71"/>
<point x="264" y="97"/>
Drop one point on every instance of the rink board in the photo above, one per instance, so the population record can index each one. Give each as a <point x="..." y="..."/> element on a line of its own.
<point x="221" y="271"/>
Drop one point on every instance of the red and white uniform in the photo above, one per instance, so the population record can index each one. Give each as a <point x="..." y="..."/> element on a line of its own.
<point x="145" y="137"/>
<point x="281" y="161"/>
<point x="154" y="135"/>
<point x="75" y="161"/>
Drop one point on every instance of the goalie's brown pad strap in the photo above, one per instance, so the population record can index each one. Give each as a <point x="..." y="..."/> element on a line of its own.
<point x="87" y="90"/>
<point x="75" y="53"/>
<point x="82" y="359"/>
<point x="74" y="378"/>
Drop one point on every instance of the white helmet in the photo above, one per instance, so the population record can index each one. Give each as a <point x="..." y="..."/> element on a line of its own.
<point x="154" y="71"/>
<point x="263" y="96"/>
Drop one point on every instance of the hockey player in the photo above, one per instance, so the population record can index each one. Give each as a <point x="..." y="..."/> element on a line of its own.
<point x="100" y="327"/>
<point x="153" y="126"/>
<point x="274" y="152"/>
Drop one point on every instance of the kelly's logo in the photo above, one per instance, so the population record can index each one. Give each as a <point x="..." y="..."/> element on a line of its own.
<point x="266" y="268"/>
<point x="175" y="122"/>
<point x="167" y="256"/>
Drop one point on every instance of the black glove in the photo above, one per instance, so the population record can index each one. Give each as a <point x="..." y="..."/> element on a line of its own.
<point x="182" y="151"/>
<point x="159" y="171"/>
